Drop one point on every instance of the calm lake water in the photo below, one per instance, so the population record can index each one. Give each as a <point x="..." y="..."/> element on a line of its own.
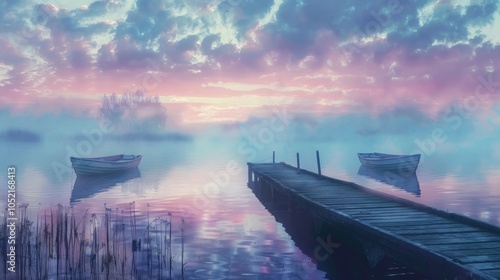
<point x="229" y="233"/>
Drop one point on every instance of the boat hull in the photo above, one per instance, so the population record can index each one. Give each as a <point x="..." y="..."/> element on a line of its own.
<point x="387" y="161"/>
<point x="105" y="165"/>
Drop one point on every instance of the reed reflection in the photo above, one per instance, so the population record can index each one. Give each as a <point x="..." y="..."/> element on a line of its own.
<point x="336" y="251"/>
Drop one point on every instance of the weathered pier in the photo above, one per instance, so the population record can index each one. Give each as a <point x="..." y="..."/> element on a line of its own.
<point x="435" y="243"/>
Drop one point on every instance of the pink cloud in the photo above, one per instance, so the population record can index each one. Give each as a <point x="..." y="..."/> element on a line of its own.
<point x="270" y="61"/>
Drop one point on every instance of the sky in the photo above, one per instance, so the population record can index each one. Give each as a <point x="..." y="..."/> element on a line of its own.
<point x="226" y="61"/>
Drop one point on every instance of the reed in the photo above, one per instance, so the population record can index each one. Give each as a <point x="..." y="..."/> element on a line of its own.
<point x="170" y="258"/>
<point x="62" y="243"/>
<point x="183" y="227"/>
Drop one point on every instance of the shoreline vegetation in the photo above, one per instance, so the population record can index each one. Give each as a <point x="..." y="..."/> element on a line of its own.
<point x="63" y="243"/>
<point x="132" y="116"/>
<point x="19" y="135"/>
<point x="141" y="136"/>
<point x="26" y="136"/>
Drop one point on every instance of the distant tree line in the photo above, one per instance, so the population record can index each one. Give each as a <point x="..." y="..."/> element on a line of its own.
<point x="134" y="111"/>
<point x="19" y="135"/>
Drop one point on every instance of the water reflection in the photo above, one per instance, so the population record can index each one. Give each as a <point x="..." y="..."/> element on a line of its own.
<point x="88" y="186"/>
<point x="334" y="249"/>
<point x="401" y="180"/>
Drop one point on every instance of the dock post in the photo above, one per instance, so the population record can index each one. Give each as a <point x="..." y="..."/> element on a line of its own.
<point x="274" y="157"/>
<point x="249" y="174"/>
<point x="319" y="163"/>
<point x="298" y="163"/>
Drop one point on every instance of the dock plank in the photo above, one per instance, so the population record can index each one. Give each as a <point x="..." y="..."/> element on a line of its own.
<point x="471" y="252"/>
<point x="420" y="223"/>
<point x="493" y="272"/>
<point x="450" y="238"/>
<point x="458" y="247"/>
<point x="485" y="265"/>
<point x="367" y="207"/>
<point x="480" y="258"/>
<point x="422" y="230"/>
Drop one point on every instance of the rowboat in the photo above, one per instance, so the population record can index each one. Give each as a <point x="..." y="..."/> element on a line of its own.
<point x="103" y="165"/>
<point x="87" y="186"/>
<point x="403" y="180"/>
<point x="407" y="163"/>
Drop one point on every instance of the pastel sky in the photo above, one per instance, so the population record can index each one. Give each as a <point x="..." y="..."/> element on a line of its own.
<point x="212" y="60"/>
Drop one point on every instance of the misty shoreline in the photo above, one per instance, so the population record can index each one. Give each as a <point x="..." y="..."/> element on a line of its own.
<point x="28" y="136"/>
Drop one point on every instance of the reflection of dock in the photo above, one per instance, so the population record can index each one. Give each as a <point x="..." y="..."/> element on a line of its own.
<point x="405" y="181"/>
<point x="332" y="250"/>
<point x="87" y="186"/>
<point x="438" y="244"/>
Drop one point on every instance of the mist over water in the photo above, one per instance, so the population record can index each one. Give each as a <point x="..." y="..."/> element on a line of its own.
<point x="203" y="179"/>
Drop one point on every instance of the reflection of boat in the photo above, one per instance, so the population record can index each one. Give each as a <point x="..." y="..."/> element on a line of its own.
<point x="403" y="180"/>
<point x="100" y="165"/>
<point x="87" y="186"/>
<point x="379" y="160"/>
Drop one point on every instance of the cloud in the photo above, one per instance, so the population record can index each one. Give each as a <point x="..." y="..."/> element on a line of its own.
<point x="253" y="87"/>
<point x="380" y="54"/>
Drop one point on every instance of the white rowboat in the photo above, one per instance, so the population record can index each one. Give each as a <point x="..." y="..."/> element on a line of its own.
<point x="387" y="161"/>
<point x="103" y="165"/>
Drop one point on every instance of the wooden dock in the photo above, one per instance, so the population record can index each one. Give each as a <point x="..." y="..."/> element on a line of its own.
<point x="437" y="244"/>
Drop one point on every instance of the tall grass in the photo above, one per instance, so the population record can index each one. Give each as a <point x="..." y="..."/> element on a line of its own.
<point x="61" y="243"/>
